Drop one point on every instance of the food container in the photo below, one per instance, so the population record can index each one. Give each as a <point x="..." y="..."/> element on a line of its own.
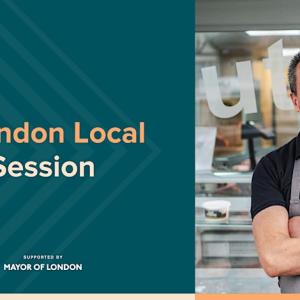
<point x="216" y="211"/>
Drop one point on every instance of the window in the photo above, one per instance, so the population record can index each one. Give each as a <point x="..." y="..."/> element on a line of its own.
<point x="224" y="51"/>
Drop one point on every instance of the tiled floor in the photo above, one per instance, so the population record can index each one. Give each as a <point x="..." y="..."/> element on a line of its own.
<point x="234" y="281"/>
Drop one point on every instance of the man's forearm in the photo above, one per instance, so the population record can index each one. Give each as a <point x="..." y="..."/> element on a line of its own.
<point x="283" y="258"/>
<point x="278" y="249"/>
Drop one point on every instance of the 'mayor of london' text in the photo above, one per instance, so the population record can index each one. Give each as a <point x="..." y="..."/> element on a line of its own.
<point x="41" y="267"/>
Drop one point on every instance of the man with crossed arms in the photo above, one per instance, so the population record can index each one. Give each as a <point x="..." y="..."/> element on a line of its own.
<point x="275" y="203"/>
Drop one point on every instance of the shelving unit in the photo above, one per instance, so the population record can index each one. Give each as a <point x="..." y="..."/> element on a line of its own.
<point x="229" y="244"/>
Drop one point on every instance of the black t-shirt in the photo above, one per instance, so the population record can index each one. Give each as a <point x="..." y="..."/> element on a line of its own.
<point x="272" y="177"/>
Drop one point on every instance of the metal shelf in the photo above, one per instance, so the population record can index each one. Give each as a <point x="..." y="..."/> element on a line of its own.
<point x="223" y="177"/>
<point x="236" y="221"/>
<point x="224" y="226"/>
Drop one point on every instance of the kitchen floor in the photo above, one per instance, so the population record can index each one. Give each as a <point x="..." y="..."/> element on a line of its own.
<point x="234" y="281"/>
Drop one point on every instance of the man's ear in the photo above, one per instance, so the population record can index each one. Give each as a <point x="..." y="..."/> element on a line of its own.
<point x="295" y="101"/>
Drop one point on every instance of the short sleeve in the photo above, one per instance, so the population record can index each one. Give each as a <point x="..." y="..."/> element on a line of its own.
<point x="265" y="187"/>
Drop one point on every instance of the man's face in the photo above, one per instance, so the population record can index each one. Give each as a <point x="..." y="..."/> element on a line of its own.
<point x="296" y="96"/>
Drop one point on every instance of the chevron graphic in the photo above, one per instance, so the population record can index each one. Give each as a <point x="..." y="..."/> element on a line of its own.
<point x="50" y="114"/>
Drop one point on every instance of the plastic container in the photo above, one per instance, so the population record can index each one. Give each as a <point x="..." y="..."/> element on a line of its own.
<point x="216" y="211"/>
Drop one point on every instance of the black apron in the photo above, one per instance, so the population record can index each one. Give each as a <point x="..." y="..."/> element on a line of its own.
<point x="291" y="284"/>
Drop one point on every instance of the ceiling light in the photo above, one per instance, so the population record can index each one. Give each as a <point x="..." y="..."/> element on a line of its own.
<point x="272" y="32"/>
<point x="290" y="51"/>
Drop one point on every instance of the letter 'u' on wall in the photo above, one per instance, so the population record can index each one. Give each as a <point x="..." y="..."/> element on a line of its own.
<point x="213" y="94"/>
<point x="276" y="63"/>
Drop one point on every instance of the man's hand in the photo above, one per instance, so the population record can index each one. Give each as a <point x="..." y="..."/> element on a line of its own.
<point x="294" y="227"/>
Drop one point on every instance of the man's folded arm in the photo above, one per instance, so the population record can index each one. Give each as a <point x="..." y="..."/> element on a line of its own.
<point x="278" y="250"/>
